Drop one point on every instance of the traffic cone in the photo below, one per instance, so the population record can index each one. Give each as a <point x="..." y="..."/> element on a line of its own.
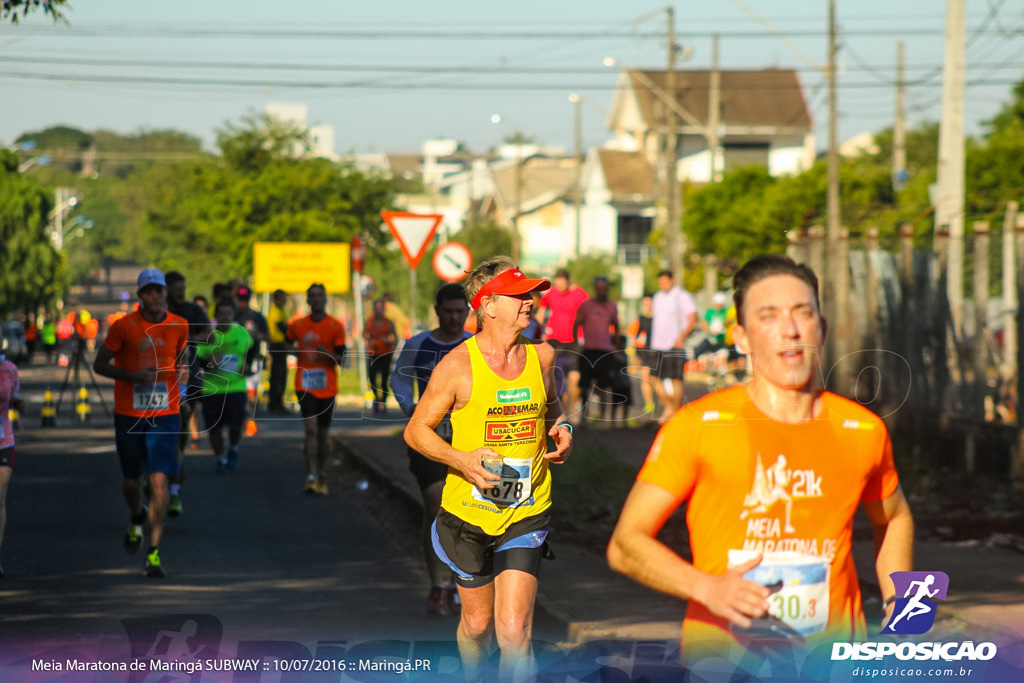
<point x="49" y="412"/>
<point x="250" y="427"/>
<point x="83" y="405"/>
<point x="15" y="417"/>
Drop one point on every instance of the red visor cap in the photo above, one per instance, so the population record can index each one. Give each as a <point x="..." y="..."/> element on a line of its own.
<point x="511" y="281"/>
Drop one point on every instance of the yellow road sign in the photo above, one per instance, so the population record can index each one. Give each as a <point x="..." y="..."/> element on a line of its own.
<point x="294" y="266"/>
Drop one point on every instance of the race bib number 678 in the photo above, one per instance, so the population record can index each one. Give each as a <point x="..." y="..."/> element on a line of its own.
<point x="515" y="487"/>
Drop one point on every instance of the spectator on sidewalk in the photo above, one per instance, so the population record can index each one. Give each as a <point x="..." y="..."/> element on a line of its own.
<point x="772" y="472"/>
<point x="416" y="363"/>
<point x="673" y="316"/>
<point x="493" y="525"/>
<point x="639" y="333"/>
<point x="598" y="318"/>
<point x="557" y="312"/>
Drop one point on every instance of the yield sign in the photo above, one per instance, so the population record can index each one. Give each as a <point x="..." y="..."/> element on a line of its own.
<point x="413" y="232"/>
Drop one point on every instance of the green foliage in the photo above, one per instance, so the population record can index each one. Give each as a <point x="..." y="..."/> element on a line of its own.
<point x="58" y="137"/>
<point x="484" y="240"/>
<point x="203" y="218"/>
<point x="750" y="212"/>
<point x="10" y="8"/>
<point x="730" y="218"/>
<point x="584" y="269"/>
<point x="64" y="146"/>
<point x="590" y="487"/>
<point x="31" y="270"/>
<point x="258" y="141"/>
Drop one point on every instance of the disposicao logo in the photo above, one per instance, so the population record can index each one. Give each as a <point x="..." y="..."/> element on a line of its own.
<point x="913" y="613"/>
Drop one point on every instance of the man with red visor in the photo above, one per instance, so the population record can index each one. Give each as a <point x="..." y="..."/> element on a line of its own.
<point x="498" y="389"/>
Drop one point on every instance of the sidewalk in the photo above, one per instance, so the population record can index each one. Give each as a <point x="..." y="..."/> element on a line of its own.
<point x="592" y="602"/>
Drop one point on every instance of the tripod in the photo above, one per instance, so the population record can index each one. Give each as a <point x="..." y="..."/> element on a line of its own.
<point x="76" y="363"/>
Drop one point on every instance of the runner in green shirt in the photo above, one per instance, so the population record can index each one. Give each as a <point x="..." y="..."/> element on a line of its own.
<point x="224" y="391"/>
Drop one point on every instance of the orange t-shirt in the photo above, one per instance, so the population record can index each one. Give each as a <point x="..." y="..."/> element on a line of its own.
<point x="138" y="343"/>
<point x="382" y="336"/>
<point x="317" y="372"/>
<point x="757" y="485"/>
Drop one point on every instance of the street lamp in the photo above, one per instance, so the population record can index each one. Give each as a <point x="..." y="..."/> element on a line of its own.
<point x="66" y="201"/>
<point x="77" y="228"/>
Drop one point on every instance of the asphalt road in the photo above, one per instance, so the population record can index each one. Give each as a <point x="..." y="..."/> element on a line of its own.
<point x="254" y="565"/>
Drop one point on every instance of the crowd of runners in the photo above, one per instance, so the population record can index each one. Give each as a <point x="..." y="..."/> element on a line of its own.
<point x="772" y="468"/>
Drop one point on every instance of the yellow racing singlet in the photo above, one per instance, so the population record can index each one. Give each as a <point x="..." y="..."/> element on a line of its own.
<point x="508" y="417"/>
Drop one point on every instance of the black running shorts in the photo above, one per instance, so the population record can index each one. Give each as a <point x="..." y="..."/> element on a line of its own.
<point x="477" y="557"/>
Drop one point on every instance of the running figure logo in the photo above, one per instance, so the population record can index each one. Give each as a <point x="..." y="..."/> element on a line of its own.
<point x="914" y="613"/>
<point x="770" y="486"/>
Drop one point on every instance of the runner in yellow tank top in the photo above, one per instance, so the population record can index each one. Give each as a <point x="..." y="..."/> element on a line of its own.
<point x="508" y="417"/>
<point x="498" y="388"/>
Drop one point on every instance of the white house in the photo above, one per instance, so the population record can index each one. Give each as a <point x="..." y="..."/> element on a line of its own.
<point x="763" y="120"/>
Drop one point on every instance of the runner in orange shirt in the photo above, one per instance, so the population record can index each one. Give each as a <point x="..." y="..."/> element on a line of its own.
<point x="772" y="473"/>
<point x="144" y="353"/>
<point x="381" y="339"/>
<point x="320" y="342"/>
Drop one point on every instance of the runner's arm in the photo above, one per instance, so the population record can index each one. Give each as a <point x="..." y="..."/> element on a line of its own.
<point x="635" y="551"/>
<point x="103" y="365"/>
<point x="554" y="419"/>
<point x="439" y="397"/>
<point x="402" y="377"/>
<point x="893" y="527"/>
<point x="576" y="322"/>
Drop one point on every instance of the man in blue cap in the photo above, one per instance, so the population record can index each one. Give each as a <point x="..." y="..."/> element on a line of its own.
<point x="144" y="353"/>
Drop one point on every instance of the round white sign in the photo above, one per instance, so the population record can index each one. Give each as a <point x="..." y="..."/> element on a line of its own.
<point x="452" y="261"/>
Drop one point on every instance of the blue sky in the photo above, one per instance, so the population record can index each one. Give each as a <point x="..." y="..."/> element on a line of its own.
<point x="218" y="61"/>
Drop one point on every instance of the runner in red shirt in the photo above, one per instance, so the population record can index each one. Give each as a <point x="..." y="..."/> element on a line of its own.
<point x="557" y="312"/>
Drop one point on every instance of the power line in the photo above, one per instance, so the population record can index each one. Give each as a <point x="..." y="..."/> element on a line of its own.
<point x="379" y="85"/>
<point x="935" y="72"/>
<point x="71" y="60"/>
<point x="470" y="34"/>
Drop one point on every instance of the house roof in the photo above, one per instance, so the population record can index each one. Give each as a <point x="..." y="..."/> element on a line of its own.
<point x="407" y="166"/>
<point x="764" y="98"/>
<point x="543" y="180"/>
<point x="628" y="175"/>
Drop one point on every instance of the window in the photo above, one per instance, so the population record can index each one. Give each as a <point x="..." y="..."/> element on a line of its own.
<point x="739" y="154"/>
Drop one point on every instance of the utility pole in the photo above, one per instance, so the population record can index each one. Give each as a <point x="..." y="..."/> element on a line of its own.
<point x="674" y="243"/>
<point x="577" y="125"/>
<point x="714" y="107"/>
<point x="949" y="199"/>
<point x="899" y="142"/>
<point x="834" y="223"/>
<point x="836" y="290"/>
<point x="518" y="197"/>
<point x="1010" y="284"/>
<point x="58" y="220"/>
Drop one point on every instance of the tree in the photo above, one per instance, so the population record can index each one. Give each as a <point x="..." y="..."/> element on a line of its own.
<point x="203" y="218"/>
<point x="64" y="145"/>
<point x="31" y="270"/>
<point x="9" y="9"/>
